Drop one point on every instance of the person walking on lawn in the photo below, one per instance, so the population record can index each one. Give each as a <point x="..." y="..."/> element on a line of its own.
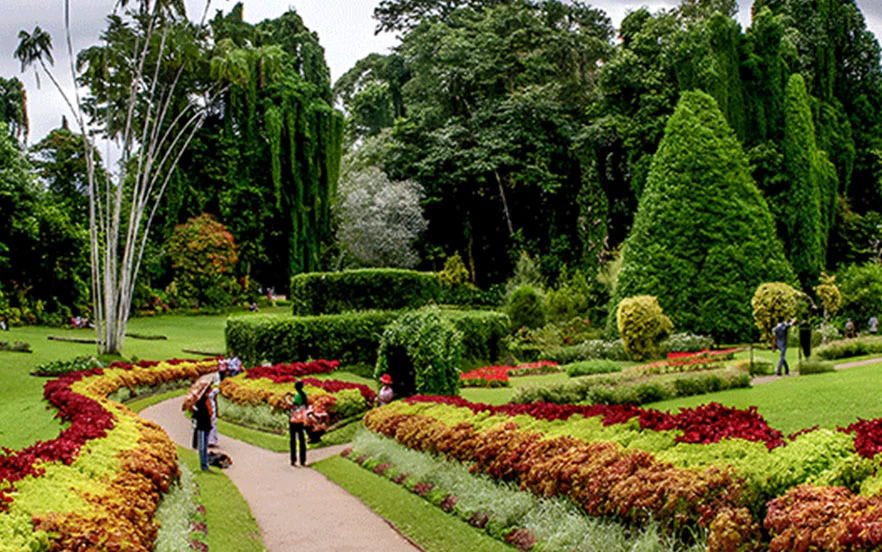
<point x="298" y="404"/>
<point x="781" y="331"/>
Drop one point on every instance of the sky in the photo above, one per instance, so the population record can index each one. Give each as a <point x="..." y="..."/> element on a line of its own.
<point x="345" y="29"/>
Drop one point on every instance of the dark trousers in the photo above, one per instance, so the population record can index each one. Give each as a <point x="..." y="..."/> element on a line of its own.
<point x="202" y="447"/>
<point x="297" y="433"/>
<point x="783" y="362"/>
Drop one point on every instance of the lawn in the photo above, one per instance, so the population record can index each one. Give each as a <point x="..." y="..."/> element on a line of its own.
<point x="796" y="402"/>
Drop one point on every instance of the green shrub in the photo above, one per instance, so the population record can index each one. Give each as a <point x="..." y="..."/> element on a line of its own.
<point x="684" y="342"/>
<point x="861" y="289"/>
<point x="426" y="344"/>
<point x="591" y="367"/>
<point x="594" y="349"/>
<point x="573" y="299"/>
<point x="17" y="347"/>
<point x="772" y="303"/>
<point x="631" y="388"/>
<point x="808" y="367"/>
<point x="351" y="338"/>
<point x="350" y="402"/>
<point x="850" y="348"/>
<point x="364" y="289"/>
<point x="482" y="332"/>
<point x="643" y="326"/>
<point x="525" y="308"/>
<point x="59" y="367"/>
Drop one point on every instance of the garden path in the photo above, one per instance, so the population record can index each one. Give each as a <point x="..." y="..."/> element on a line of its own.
<point x="843" y="366"/>
<point x="296" y="508"/>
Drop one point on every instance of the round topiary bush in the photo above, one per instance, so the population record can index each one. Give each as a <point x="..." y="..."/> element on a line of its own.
<point x="525" y="308"/>
<point x="772" y="303"/>
<point x="421" y="350"/>
<point x="643" y="326"/>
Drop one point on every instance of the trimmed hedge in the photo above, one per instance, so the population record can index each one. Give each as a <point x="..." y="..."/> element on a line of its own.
<point x="622" y="388"/>
<point x="846" y="348"/>
<point x="364" y="289"/>
<point x="351" y="338"/>
<point x="592" y="367"/>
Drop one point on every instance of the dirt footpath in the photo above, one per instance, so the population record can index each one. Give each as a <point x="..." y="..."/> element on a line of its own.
<point x="296" y="508"/>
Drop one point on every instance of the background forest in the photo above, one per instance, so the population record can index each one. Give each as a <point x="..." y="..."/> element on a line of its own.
<point x="679" y="156"/>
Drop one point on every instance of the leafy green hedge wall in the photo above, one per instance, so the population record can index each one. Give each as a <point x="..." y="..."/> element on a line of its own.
<point x="364" y="289"/>
<point x="351" y="338"/>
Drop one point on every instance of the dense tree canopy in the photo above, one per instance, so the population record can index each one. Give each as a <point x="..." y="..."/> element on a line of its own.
<point x="703" y="237"/>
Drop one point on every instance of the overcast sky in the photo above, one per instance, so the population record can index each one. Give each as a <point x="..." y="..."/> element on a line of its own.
<point x="345" y="29"/>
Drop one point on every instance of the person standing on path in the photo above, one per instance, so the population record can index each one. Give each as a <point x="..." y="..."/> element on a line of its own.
<point x="213" y="392"/>
<point x="781" y="331"/>
<point x="202" y="415"/>
<point x="298" y="404"/>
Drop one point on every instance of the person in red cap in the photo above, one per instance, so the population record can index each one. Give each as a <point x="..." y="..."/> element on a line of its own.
<point x="384" y="397"/>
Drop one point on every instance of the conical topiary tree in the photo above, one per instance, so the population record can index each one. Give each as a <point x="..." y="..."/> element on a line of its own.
<point x="703" y="238"/>
<point x="802" y="211"/>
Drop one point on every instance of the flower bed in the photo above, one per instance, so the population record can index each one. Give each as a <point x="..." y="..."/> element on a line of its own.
<point x="498" y="376"/>
<point x="688" y="361"/>
<point x="712" y="466"/>
<point x="269" y="385"/>
<point x="99" y="482"/>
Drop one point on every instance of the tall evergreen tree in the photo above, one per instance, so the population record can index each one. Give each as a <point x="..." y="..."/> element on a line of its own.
<point x="802" y="197"/>
<point x="703" y="237"/>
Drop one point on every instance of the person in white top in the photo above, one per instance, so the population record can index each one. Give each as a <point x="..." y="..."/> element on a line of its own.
<point x="385" y="395"/>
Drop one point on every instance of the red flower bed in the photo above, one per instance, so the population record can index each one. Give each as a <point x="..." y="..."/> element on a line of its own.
<point x="287" y="373"/>
<point x="867" y="436"/>
<point x="335" y="386"/>
<point x="713" y="422"/>
<point x="88" y="420"/>
<point x="494" y="376"/>
<point x="704" y="424"/>
<point x="703" y="353"/>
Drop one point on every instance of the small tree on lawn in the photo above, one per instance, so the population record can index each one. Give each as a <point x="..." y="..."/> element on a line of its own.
<point x="703" y="237"/>
<point x="772" y="303"/>
<point x="203" y="256"/>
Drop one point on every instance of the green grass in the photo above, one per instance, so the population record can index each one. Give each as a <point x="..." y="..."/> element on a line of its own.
<point x="263" y="439"/>
<point x="21" y="394"/>
<point x="426" y="524"/>
<point x="231" y="527"/>
<point x="793" y="403"/>
<point x="139" y="404"/>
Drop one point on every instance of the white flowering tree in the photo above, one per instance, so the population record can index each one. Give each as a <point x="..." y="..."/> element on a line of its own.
<point x="379" y="219"/>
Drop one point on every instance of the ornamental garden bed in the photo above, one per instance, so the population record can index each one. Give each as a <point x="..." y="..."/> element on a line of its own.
<point x="712" y="468"/>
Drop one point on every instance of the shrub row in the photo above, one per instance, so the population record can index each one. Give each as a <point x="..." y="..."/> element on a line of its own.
<point x="503" y="510"/>
<point x="590" y="350"/>
<point x="766" y="469"/>
<point x="632" y="387"/>
<point x="850" y="348"/>
<point x="604" y="479"/>
<point x="59" y="367"/>
<point x="366" y="289"/>
<point x="352" y="338"/>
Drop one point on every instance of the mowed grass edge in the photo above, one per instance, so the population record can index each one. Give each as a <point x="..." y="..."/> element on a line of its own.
<point x="428" y="526"/>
